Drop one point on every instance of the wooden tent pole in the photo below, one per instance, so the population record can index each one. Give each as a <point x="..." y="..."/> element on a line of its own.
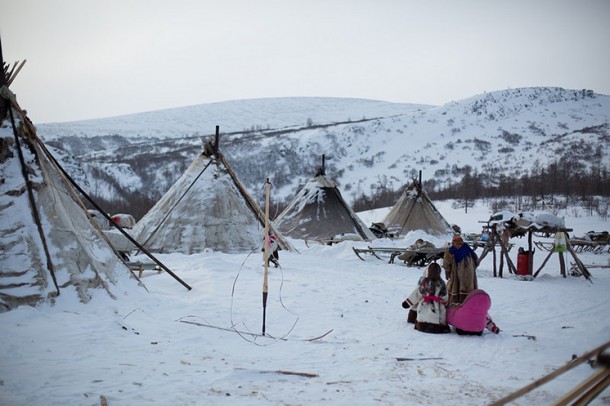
<point x="545" y="261"/>
<point x="30" y="134"/>
<point x="484" y="253"/>
<point x="266" y="255"/>
<point x="501" y="253"/>
<point x="65" y="174"/>
<point x="501" y="270"/>
<point x="217" y="141"/>
<point x="579" y="264"/>
<point x="495" y="259"/>
<point x="12" y="75"/>
<point x="587" y="390"/>
<point x="562" y="264"/>
<point x="488" y="246"/>
<point x="551" y="376"/>
<point x="419" y="193"/>
<point x="34" y="207"/>
<point x="493" y="236"/>
<point x="171" y="209"/>
<point x="509" y="262"/>
<point x="530" y="253"/>
<point x="107" y="217"/>
<point x="4" y="104"/>
<point x="255" y="208"/>
<point x="8" y="71"/>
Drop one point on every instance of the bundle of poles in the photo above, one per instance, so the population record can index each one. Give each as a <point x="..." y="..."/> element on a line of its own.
<point x="583" y="393"/>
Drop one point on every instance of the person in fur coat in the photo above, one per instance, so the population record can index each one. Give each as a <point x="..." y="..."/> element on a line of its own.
<point x="412" y="315"/>
<point x="460" y="263"/>
<point x="430" y="298"/>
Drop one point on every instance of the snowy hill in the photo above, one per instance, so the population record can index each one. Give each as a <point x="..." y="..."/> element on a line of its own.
<point x="232" y="116"/>
<point x="370" y="145"/>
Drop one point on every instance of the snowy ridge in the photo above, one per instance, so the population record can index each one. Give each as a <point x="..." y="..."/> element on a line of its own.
<point x="232" y="116"/>
<point x="504" y="133"/>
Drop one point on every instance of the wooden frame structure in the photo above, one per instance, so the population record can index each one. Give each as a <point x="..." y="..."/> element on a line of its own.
<point x="580" y="267"/>
<point x="511" y="230"/>
<point x="495" y="239"/>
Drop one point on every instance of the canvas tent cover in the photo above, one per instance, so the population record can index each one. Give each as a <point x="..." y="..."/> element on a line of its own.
<point x="318" y="212"/>
<point x="415" y="211"/>
<point x="204" y="209"/>
<point x="78" y="256"/>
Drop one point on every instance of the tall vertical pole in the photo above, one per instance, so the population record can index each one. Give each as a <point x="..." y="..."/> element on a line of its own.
<point x="530" y="254"/>
<point x="4" y="104"/>
<point x="266" y="254"/>
<point x="217" y="141"/>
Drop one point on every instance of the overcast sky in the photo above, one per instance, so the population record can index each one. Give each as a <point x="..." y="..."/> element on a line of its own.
<point x="94" y="58"/>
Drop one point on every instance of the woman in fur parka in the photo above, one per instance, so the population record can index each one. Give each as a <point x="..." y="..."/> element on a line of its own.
<point x="430" y="298"/>
<point x="460" y="263"/>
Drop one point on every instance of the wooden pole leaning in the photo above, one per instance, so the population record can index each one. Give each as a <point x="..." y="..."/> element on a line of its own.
<point x="562" y="263"/>
<point x="71" y="181"/>
<point x="115" y="225"/>
<point x="587" y="390"/>
<point x="581" y="267"/>
<point x="266" y="255"/>
<point x="539" y="382"/>
<point x="509" y="262"/>
<point x="545" y="261"/>
<point x="530" y="256"/>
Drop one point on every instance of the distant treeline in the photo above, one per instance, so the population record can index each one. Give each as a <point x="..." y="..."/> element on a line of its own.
<point x="540" y="184"/>
<point x="555" y="185"/>
<point x="543" y="185"/>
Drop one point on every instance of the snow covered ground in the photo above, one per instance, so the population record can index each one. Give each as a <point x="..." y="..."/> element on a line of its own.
<point x="143" y="347"/>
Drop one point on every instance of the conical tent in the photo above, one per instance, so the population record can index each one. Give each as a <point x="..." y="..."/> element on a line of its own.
<point x="207" y="208"/>
<point x="415" y="211"/>
<point x="48" y="245"/>
<point x="318" y="212"/>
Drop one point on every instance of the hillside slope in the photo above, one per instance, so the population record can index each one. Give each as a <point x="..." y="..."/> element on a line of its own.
<point x="370" y="145"/>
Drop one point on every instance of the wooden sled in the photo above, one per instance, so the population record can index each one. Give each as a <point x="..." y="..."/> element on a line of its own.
<point x="375" y="251"/>
<point x="486" y="245"/>
<point x="574" y="266"/>
<point x="140" y="267"/>
<point x="544" y="246"/>
<point x="578" y="245"/>
<point x="589" y="246"/>
<point x="418" y="257"/>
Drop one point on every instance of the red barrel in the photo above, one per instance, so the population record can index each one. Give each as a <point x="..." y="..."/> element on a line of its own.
<point x="523" y="263"/>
